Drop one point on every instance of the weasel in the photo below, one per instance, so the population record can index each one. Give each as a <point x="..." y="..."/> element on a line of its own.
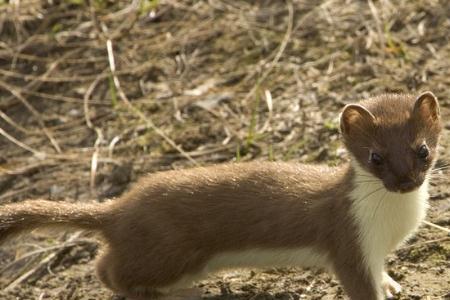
<point x="173" y="228"/>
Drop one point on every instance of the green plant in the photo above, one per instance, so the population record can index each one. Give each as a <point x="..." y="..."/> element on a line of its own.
<point x="147" y="6"/>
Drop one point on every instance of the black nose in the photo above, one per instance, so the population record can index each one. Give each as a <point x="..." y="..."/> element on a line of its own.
<point x="406" y="186"/>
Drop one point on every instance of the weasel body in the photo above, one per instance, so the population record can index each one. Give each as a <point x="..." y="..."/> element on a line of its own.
<point x="175" y="227"/>
<point x="237" y="215"/>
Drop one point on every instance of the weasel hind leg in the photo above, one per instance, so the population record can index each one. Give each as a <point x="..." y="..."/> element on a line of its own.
<point x="137" y="281"/>
<point x="108" y="274"/>
<point x="101" y="268"/>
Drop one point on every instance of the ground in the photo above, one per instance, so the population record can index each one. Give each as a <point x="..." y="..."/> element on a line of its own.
<point x="94" y="94"/>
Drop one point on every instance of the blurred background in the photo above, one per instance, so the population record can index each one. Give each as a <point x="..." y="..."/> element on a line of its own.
<point x="94" y="94"/>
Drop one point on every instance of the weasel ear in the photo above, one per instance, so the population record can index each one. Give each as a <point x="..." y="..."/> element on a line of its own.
<point x="427" y="107"/>
<point x="354" y="117"/>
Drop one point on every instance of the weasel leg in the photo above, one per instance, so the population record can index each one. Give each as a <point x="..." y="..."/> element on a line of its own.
<point x="135" y="280"/>
<point x="101" y="268"/>
<point x="108" y="273"/>
<point x="356" y="281"/>
<point x="390" y="286"/>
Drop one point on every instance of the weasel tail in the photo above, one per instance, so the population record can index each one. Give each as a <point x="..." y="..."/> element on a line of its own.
<point x="25" y="216"/>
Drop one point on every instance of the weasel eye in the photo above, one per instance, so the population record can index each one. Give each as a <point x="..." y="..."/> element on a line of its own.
<point x="375" y="158"/>
<point x="423" y="152"/>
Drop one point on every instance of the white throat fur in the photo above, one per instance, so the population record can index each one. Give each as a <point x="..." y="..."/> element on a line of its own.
<point x="385" y="219"/>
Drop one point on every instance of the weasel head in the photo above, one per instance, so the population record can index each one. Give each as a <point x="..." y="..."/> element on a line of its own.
<point x="394" y="137"/>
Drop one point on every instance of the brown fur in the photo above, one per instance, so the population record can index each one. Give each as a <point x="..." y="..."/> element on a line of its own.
<point x="170" y="224"/>
<point x="379" y="123"/>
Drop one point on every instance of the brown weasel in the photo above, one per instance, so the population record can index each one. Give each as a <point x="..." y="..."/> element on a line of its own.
<point x="173" y="228"/>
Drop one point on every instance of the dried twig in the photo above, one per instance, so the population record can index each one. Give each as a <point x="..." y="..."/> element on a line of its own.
<point x="437" y="226"/>
<point x="95" y="158"/>
<point x="35" y="113"/>
<point x="22" y="145"/>
<point x="44" y="261"/>
<point x="13" y="123"/>
<point x="376" y="17"/>
<point x="86" y="98"/>
<point x="37" y="80"/>
<point x="136" y="111"/>
<point x="424" y="243"/>
<point x="278" y="55"/>
<point x="40" y="251"/>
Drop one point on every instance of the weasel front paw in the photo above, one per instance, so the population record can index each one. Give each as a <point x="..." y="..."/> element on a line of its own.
<point x="390" y="286"/>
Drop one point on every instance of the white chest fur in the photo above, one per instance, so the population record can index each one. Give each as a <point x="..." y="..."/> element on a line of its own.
<point x="385" y="219"/>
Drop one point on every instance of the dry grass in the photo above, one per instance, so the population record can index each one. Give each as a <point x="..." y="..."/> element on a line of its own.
<point x="179" y="66"/>
<point x="95" y="93"/>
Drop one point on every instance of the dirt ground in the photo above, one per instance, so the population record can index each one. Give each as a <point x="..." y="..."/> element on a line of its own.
<point x="94" y="94"/>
